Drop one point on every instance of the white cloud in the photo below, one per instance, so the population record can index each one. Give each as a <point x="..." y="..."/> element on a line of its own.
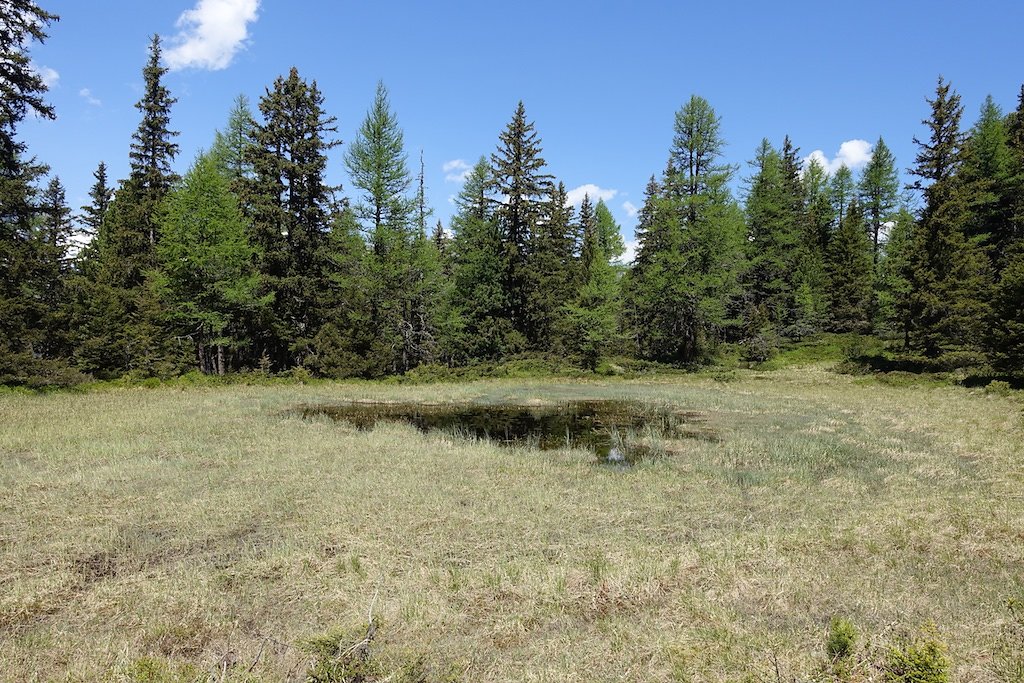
<point x="575" y="196"/>
<point x="87" y="95"/>
<point x="456" y="171"/>
<point x="853" y="154"/>
<point x="630" y="253"/>
<point x="630" y="208"/>
<point x="211" y="33"/>
<point x="49" y="76"/>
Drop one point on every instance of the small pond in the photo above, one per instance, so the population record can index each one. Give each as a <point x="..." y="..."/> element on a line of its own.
<point x="618" y="432"/>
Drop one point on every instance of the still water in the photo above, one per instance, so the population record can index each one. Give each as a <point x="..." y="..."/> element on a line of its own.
<point x="618" y="432"/>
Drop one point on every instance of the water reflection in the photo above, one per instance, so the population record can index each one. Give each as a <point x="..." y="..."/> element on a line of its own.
<point x="619" y="432"/>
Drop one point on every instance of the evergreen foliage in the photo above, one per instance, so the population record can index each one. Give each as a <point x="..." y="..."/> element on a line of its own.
<point x="520" y="193"/>
<point x="949" y="271"/>
<point x="482" y="330"/>
<point x="289" y="206"/>
<point x="849" y="267"/>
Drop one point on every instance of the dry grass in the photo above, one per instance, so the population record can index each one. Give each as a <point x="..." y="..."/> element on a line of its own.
<point x="173" y="535"/>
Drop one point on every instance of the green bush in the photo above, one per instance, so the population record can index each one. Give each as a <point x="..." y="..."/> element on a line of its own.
<point x="919" y="659"/>
<point x="998" y="388"/>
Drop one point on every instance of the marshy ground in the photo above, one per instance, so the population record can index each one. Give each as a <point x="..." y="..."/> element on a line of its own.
<point x="168" y="534"/>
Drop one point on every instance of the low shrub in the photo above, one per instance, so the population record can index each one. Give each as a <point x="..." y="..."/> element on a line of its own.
<point x="917" y="659"/>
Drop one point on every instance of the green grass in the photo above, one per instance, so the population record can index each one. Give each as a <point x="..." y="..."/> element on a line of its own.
<point x="180" y="532"/>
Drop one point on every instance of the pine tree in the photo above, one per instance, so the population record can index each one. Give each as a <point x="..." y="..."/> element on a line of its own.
<point x="207" y="279"/>
<point x="289" y="206"/>
<point x="521" y="192"/>
<point x="879" y="194"/>
<point x="950" y="276"/>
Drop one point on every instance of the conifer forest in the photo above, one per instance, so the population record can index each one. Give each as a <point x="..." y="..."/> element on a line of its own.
<point x="257" y="426"/>
<point x="251" y="261"/>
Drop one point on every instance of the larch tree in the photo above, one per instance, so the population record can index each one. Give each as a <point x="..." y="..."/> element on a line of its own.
<point x="207" y="279"/>
<point x="879" y="192"/>
<point x="399" y="263"/>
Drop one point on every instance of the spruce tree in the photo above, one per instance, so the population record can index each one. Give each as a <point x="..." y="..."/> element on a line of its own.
<point x="850" y="269"/>
<point x="25" y="357"/>
<point x="774" y="242"/>
<point x="821" y="217"/>
<point x="986" y="172"/>
<point x="521" y="193"/>
<point x="554" y="270"/>
<point x="479" y="298"/>
<point x="843" y="191"/>
<point x="153" y="149"/>
<point x="100" y="195"/>
<point x="21" y="23"/>
<point x="342" y="345"/>
<point x="289" y="206"/>
<point x="949" y="270"/>
<point x="1005" y="338"/>
<point x="592" y="319"/>
<point x="683" y="290"/>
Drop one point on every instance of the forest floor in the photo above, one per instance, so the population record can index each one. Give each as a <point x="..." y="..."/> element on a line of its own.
<point x="174" y="534"/>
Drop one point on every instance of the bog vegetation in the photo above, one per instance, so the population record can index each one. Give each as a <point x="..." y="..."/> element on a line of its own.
<point x="250" y="261"/>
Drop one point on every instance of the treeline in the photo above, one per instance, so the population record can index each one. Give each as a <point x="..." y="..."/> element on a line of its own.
<point x="252" y="261"/>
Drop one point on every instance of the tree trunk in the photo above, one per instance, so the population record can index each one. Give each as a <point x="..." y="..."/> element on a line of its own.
<point x="220" y="359"/>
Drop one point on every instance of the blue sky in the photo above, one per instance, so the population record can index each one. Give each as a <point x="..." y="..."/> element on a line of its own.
<point x="601" y="81"/>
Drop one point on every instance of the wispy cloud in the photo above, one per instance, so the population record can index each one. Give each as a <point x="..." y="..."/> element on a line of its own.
<point x="50" y="76"/>
<point x="456" y="171"/>
<point x="87" y="95"/>
<point x="575" y="196"/>
<point x="630" y="208"/>
<point x="210" y="34"/>
<point x="853" y="154"/>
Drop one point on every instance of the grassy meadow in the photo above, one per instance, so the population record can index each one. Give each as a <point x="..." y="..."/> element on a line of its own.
<point x="200" y="534"/>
